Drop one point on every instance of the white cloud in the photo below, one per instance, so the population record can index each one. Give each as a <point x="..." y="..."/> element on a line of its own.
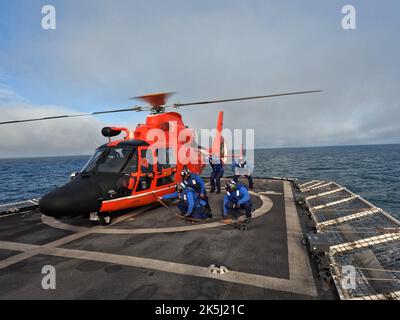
<point x="47" y="138"/>
<point x="237" y="49"/>
<point x="7" y="95"/>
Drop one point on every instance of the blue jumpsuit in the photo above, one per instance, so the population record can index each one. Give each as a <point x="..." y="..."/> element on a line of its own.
<point x="189" y="203"/>
<point x="216" y="174"/>
<point x="195" y="182"/>
<point x="241" y="198"/>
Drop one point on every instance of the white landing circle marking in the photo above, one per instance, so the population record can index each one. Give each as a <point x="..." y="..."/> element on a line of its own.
<point x="265" y="207"/>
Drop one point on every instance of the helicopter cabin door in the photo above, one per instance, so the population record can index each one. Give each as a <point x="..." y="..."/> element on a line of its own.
<point x="146" y="169"/>
<point x="165" y="167"/>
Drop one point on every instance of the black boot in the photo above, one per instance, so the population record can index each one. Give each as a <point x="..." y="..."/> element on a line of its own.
<point x="251" y="185"/>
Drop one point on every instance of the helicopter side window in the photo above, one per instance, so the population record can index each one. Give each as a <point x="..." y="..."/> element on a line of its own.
<point x="146" y="161"/>
<point x="165" y="158"/>
<point x="146" y="168"/>
<point x="165" y="161"/>
<point x="161" y="159"/>
<point x="171" y="157"/>
<point x="132" y="164"/>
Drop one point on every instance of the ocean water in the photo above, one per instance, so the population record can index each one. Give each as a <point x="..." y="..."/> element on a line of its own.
<point x="370" y="171"/>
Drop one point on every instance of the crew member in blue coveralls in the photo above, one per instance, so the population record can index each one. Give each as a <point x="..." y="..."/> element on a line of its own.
<point x="242" y="168"/>
<point x="237" y="198"/>
<point x="195" y="182"/>
<point x="217" y="173"/>
<point x="189" y="203"/>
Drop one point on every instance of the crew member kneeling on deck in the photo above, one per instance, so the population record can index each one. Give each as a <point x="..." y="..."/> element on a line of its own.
<point x="189" y="203"/>
<point x="237" y="198"/>
<point x="195" y="182"/>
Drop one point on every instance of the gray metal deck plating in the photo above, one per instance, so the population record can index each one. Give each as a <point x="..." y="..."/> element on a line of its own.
<point x="149" y="253"/>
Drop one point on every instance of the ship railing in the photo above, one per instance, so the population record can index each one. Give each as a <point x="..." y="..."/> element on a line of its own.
<point x="20" y="206"/>
<point x="361" y="237"/>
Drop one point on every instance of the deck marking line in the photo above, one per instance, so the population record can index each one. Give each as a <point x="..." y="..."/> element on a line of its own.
<point x="243" y="278"/>
<point x="266" y="206"/>
<point x="299" y="264"/>
<point x="296" y="284"/>
<point x="33" y="250"/>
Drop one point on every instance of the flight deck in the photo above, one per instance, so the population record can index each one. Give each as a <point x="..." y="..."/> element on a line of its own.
<point x="151" y="253"/>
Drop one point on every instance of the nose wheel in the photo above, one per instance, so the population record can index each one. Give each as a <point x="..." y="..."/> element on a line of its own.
<point x="105" y="221"/>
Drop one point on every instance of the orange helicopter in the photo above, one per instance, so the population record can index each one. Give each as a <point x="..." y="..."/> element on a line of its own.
<point x="142" y="166"/>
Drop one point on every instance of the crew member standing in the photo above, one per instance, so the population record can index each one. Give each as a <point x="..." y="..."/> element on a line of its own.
<point x="217" y="173"/>
<point x="237" y="198"/>
<point x="242" y="168"/>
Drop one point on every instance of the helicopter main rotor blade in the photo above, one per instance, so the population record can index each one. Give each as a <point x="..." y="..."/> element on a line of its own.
<point x="155" y="109"/>
<point x="177" y="105"/>
<point x="77" y="115"/>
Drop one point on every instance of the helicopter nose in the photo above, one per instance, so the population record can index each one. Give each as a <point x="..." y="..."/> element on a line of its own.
<point x="78" y="197"/>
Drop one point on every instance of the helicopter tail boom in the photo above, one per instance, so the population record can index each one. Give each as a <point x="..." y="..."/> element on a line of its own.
<point x="218" y="149"/>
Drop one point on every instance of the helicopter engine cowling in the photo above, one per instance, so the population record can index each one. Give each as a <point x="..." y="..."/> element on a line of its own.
<point x="110" y="132"/>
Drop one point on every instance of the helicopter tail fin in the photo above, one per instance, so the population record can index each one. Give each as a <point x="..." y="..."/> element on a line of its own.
<point x="219" y="147"/>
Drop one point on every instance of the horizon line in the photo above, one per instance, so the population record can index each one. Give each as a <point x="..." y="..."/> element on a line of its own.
<point x="257" y="148"/>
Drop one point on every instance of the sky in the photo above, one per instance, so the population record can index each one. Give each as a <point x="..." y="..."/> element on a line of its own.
<point x="103" y="52"/>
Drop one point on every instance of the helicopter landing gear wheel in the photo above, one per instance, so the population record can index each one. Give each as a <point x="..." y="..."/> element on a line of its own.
<point x="105" y="221"/>
<point x="100" y="218"/>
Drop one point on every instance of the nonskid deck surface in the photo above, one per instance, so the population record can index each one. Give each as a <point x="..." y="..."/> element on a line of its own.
<point x="149" y="253"/>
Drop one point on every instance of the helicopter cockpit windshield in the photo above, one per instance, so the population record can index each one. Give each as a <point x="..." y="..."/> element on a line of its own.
<point x="113" y="160"/>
